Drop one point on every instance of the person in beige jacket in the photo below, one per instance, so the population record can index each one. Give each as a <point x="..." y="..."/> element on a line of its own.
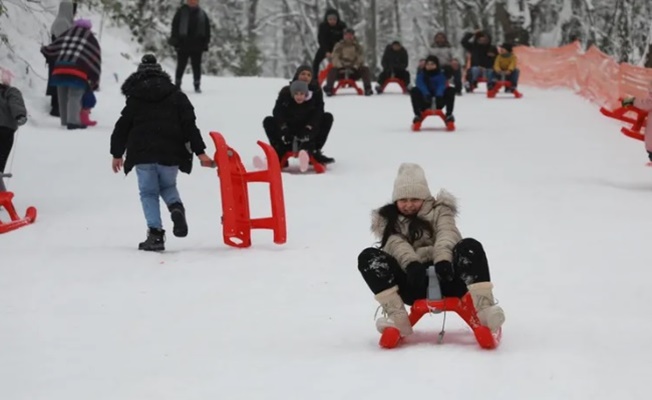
<point x="348" y="55"/>
<point x="417" y="230"/>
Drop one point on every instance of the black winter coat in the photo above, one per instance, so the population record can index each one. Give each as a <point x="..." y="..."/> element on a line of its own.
<point x="328" y="36"/>
<point x="482" y="55"/>
<point x="157" y="124"/>
<point x="297" y="116"/>
<point x="397" y="60"/>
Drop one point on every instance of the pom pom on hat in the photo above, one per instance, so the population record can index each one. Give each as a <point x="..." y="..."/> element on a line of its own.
<point x="148" y="63"/>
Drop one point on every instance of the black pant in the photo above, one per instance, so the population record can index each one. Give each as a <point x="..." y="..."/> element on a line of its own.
<point x="457" y="80"/>
<point x="6" y="143"/>
<point x="318" y="138"/>
<point x="195" y="63"/>
<point x="420" y="103"/>
<point x="381" y="271"/>
<point x="319" y="57"/>
<point x="401" y="74"/>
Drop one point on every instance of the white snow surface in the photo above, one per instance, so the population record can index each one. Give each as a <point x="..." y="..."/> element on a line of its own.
<point x="560" y="200"/>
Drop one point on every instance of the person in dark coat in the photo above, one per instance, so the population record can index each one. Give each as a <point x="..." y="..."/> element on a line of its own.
<point x="12" y="115"/>
<point x="432" y="90"/>
<point x="156" y="129"/>
<point x="304" y="73"/>
<point x="395" y="63"/>
<point x="191" y="34"/>
<point x="482" y="53"/>
<point x="296" y="116"/>
<point x="331" y="31"/>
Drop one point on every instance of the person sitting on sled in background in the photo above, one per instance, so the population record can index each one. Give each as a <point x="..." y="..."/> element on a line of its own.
<point x="330" y="32"/>
<point x="13" y="114"/>
<point x="504" y="66"/>
<point x="316" y="96"/>
<point x="416" y="231"/>
<point x="644" y="104"/>
<point x="395" y="63"/>
<point x="296" y="119"/>
<point x="432" y="91"/>
<point x="157" y="129"/>
<point x="348" y="60"/>
<point x="442" y="49"/>
<point x="481" y="56"/>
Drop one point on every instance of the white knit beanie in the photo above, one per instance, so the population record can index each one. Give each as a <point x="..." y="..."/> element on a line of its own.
<point x="410" y="183"/>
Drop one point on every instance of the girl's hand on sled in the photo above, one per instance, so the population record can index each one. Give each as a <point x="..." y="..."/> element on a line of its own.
<point x="117" y="164"/>
<point x="206" y="161"/>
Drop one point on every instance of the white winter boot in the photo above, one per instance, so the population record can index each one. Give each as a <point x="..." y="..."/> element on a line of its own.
<point x="489" y="313"/>
<point x="394" y="314"/>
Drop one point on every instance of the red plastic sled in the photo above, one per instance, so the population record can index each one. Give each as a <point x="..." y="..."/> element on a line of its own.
<point x="16" y="221"/>
<point x="236" y="219"/>
<point x="502" y="84"/>
<point x="394" y="80"/>
<point x="319" y="168"/>
<point x="630" y="115"/>
<point x="347" y="83"/>
<point x="464" y="307"/>
<point x="416" y="126"/>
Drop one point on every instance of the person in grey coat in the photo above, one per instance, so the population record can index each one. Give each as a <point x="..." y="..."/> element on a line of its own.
<point x="442" y="48"/>
<point x="63" y="22"/>
<point x="12" y="115"/>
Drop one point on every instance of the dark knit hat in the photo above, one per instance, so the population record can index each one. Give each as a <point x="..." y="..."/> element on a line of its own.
<point x="148" y="63"/>
<point x="508" y="47"/>
<point x="298" y="87"/>
<point x="349" y="30"/>
<point x="432" y="58"/>
<point x="303" y="68"/>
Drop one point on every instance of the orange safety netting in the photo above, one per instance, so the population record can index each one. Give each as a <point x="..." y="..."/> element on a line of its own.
<point x="592" y="74"/>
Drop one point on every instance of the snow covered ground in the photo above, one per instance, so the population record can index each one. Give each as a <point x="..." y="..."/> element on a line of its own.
<point x="558" y="197"/>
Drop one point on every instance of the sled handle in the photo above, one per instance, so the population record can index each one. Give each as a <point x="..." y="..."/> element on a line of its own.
<point x="5" y="175"/>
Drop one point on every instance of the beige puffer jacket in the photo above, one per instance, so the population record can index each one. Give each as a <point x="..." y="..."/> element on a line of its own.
<point x="347" y="54"/>
<point x="440" y="212"/>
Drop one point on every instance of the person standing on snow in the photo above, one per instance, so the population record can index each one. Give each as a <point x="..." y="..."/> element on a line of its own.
<point x="331" y="31"/>
<point x="12" y="115"/>
<point x="416" y="231"/>
<point x="191" y="34"/>
<point x="156" y="128"/>
<point x="63" y="22"/>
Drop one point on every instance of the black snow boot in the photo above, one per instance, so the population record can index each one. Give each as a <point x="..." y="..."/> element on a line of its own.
<point x="178" y="215"/>
<point x="155" y="240"/>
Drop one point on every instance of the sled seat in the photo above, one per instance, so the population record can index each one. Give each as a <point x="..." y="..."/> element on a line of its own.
<point x="394" y="80"/>
<point x="316" y="166"/>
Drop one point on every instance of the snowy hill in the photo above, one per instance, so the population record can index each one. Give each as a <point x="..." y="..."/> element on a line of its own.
<point x="557" y="196"/>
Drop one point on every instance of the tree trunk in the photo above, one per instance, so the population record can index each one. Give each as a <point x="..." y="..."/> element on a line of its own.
<point x="648" y="61"/>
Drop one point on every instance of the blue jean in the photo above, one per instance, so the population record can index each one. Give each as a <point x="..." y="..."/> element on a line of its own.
<point x="513" y="77"/>
<point x="156" y="180"/>
<point x="476" y="72"/>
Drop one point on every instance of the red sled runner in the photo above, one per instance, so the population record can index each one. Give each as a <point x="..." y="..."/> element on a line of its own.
<point x="416" y="126"/>
<point x="393" y="80"/>
<point x="15" y="220"/>
<point x="464" y="307"/>
<point x="503" y="84"/>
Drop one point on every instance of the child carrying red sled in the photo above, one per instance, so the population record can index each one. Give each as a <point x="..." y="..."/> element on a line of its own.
<point x="644" y="104"/>
<point x="416" y="231"/>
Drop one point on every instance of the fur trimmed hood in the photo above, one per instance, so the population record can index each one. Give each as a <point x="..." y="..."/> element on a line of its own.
<point x="443" y="199"/>
<point x="149" y="85"/>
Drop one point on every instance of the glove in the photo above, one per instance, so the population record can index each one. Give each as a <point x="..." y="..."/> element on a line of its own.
<point x="416" y="274"/>
<point x="21" y="120"/>
<point x="627" y="102"/>
<point x="445" y="270"/>
<point x="285" y="134"/>
<point x="649" y="155"/>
